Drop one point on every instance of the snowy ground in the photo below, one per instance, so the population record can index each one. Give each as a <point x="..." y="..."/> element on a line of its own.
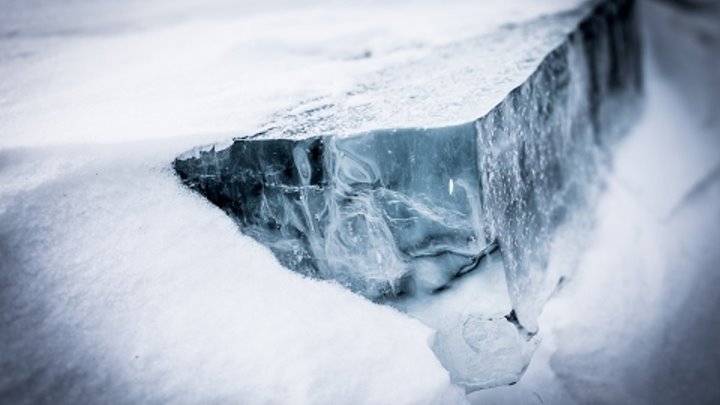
<point x="111" y="71"/>
<point x="118" y="285"/>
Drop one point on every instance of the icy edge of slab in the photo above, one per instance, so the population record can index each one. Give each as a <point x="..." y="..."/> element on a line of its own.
<point x="409" y="217"/>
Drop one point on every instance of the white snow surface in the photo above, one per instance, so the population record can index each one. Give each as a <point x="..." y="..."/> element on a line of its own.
<point x="118" y="284"/>
<point x="115" y="71"/>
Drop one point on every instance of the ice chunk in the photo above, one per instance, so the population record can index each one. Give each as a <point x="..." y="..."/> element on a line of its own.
<point x="354" y="209"/>
<point x="425" y="218"/>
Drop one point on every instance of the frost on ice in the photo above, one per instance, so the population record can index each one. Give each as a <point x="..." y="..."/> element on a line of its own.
<point x="452" y="224"/>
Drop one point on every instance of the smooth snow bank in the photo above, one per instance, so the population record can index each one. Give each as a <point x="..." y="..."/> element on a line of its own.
<point x="120" y="286"/>
<point x="116" y="71"/>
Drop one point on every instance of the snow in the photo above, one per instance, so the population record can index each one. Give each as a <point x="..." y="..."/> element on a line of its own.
<point x="121" y="286"/>
<point x="105" y="73"/>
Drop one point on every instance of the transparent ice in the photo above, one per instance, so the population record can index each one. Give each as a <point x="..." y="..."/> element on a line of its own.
<point x="451" y="223"/>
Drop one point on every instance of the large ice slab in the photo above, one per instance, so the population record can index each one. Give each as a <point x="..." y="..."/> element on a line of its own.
<point x="421" y="185"/>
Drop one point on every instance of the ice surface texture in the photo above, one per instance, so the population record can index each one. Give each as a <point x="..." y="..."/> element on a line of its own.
<point x="402" y="214"/>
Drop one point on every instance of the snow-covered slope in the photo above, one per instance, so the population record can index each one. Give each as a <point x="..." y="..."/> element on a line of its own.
<point x="120" y="286"/>
<point x="117" y="285"/>
<point x="106" y="71"/>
